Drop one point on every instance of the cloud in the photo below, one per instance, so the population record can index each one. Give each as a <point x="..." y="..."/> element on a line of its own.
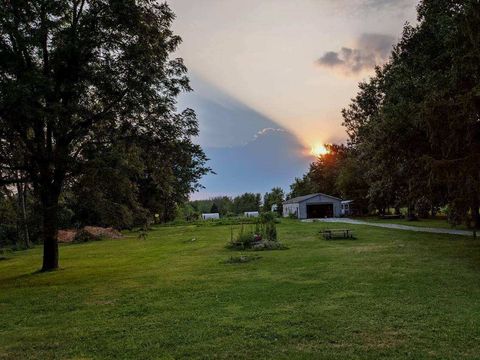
<point x="265" y="131"/>
<point x="368" y="5"/>
<point x="386" y="3"/>
<point x="370" y="50"/>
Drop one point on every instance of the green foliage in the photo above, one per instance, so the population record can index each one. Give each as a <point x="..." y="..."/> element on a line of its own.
<point x="413" y="127"/>
<point x="8" y="235"/>
<point x="270" y="231"/>
<point x="214" y="208"/>
<point x="246" y="202"/>
<point x="245" y="239"/>
<point x="227" y="206"/>
<point x="186" y="212"/>
<point x="268" y="216"/>
<point x="88" y="105"/>
<point x="276" y="196"/>
<point x="323" y="174"/>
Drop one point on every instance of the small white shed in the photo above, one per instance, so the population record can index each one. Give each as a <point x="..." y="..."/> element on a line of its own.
<point x="347" y="207"/>
<point x="210" y="216"/>
<point x="251" y="214"/>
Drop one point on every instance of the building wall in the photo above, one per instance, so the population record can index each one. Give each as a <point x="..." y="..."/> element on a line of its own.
<point x="290" y="209"/>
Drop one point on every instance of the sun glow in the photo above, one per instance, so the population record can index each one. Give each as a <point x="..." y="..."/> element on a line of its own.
<point x="318" y="150"/>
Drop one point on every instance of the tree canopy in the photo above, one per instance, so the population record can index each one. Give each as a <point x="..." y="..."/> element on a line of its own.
<point x="414" y="126"/>
<point x="88" y="86"/>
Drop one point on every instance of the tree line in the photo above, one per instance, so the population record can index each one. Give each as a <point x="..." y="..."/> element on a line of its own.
<point x="89" y="128"/>
<point x="414" y="127"/>
<point x="228" y="206"/>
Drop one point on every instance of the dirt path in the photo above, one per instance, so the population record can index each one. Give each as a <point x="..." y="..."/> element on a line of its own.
<point x="397" y="226"/>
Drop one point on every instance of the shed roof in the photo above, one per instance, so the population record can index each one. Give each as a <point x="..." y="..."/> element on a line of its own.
<point x="306" y="197"/>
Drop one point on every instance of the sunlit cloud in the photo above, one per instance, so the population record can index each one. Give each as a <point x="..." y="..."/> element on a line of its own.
<point x="266" y="131"/>
<point x="370" y="50"/>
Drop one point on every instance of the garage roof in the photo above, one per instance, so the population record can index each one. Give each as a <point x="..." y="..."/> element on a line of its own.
<point x="306" y="197"/>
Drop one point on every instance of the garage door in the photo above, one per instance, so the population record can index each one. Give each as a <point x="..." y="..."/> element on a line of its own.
<point x="319" y="211"/>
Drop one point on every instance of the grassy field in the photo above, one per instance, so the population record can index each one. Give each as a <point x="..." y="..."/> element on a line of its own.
<point x="387" y="295"/>
<point x="434" y="223"/>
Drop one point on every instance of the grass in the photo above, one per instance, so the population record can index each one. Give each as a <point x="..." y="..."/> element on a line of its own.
<point x="387" y="295"/>
<point x="433" y="223"/>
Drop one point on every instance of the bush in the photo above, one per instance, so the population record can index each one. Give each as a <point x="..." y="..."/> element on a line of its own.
<point x="267" y="217"/>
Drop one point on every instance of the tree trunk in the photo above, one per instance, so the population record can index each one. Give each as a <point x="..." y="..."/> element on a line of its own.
<point x="50" y="231"/>
<point x="476" y="213"/>
<point x="23" y="223"/>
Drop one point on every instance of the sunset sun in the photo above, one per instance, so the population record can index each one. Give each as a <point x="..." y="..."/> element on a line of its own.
<point x="319" y="150"/>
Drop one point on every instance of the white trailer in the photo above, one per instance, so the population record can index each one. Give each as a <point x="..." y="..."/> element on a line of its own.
<point x="210" y="216"/>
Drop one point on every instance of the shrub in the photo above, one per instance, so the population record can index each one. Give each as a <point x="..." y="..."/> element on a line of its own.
<point x="267" y="217"/>
<point x="4" y="253"/>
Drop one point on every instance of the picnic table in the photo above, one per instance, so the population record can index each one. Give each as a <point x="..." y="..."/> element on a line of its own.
<point x="337" y="233"/>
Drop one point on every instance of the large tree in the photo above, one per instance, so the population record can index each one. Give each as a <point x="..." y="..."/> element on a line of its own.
<point x="415" y="124"/>
<point x="75" y="74"/>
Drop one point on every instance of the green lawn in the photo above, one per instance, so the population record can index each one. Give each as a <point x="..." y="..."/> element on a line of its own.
<point x="389" y="294"/>
<point x="434" y="223"/>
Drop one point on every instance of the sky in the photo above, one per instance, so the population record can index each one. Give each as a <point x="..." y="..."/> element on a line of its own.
<point x="270" y="79"/>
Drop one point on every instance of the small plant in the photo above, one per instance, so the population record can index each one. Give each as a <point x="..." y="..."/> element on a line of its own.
<point x="261" y="236"/>
<point x="269" y="245"/>
<point x="244" y="240"/>
<point x="271" y="231"/>
<point x="3" y="253"/>
<point x="241" y="259"/>
<point x="143" y="234"/>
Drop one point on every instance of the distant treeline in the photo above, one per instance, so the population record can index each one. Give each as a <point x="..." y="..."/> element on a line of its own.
<point x="414" y="127"/>
<point x="232" y="206"/>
